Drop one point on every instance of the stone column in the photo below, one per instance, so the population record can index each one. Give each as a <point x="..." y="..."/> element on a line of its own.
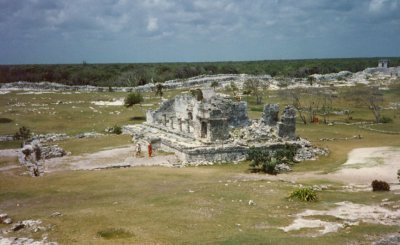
<point x="287" y="125"/>
<point x="165" y="119"/>
<point x="172" y="122"/>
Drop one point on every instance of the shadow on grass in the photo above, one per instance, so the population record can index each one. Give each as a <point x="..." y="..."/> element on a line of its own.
<point x="114" y="233"/>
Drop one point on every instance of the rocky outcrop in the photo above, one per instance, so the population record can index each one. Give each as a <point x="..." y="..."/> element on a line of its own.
<point x="393" y="239"/>
<point x="88" y="135"/>
<point x="52" y="151"/>
<point x="332" y="76"/>
<point x="45" y="138"/>
<point x="4" y="219"/>
<point x="5" y="138"/>
<point x="306" y="151"/>
<point x="28" y="226"/>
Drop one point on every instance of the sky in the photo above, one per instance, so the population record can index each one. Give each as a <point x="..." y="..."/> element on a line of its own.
<point x="129" y="31"/>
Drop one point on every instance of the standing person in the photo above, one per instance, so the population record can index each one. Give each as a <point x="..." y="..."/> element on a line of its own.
<point x="150" y="149"/>
<point x="138" y="150"/>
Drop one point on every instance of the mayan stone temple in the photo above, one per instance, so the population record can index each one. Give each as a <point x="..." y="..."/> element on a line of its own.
<point x="205" y="127"/>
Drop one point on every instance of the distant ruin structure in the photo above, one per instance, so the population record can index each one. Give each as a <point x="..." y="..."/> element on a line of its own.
<point x="214" y="128"/>
<point x="383" y="63"/>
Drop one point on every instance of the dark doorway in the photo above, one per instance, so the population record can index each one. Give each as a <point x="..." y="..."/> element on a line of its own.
<point x="203" y="129"/>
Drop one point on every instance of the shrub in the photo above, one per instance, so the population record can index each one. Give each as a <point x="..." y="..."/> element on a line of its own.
<point x="133" y="99"/>
<point x="378" y="185"/>
<point x="305" y="194"/>
<point x="214" y="84"/>
<point x="266" y="161"/>
<point x="116" y="130"/>
<point x="385" y="119"/>
<point x="23" y="133"/>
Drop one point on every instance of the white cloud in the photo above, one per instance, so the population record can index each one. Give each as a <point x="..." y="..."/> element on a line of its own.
<point x="376" y="5"/>
<point x="152" y="24"/>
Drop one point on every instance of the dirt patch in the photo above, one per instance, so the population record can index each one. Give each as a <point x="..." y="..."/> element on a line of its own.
<point x="347" y="214"/>
<point x="367" y="164"/>
<point x="119" y="102"/>
<point x="362" y="167"/>
<point x="107" y="159"/>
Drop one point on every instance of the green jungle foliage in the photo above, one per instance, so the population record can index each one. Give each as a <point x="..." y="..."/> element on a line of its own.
<point x="139" y="74"/>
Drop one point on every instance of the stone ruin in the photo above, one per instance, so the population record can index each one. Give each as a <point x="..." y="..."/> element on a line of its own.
<point x="31" y="158"/>
<point x="214" y="128"/>
<point x="33" y="154"/>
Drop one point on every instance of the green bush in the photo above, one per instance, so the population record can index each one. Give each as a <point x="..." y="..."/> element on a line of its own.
<point x="305" y="194"/>
<point x="385" y="119"/>
<point x="23" y="133"/>
<point x="133" y="99"/>
<point x="263" y="160"/>
<point x="117" y="130"/>
<point x="378" y="185"/>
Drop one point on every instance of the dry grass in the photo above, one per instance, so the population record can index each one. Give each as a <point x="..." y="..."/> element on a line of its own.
<point x="204" y="205"/>
<point x="167" y="206"/>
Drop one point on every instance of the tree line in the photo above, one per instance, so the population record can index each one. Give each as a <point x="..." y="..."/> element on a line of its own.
<point x="139" y="74"/>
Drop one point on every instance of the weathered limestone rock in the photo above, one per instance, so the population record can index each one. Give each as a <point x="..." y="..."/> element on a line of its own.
<point x="270" y="114"/>
<point x="392" y="239"/>
<point x="287" y="125"/>
<point x="282" y="167"/>
<point x="44" y="138"/>
<point x="88" y="135"/>
<point x="52" y="151"/>
<point x="32" y="156"/>
<point x="5" y="219"/>
<point x="23" y="241"/>
<point x="17" y="226"/>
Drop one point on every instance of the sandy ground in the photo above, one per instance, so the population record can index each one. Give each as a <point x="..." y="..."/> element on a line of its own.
<point x="363" y="164"/>
<point x="362" y="167"/>
<point x="119" y="157"/>
<point x="367" y="164"/>
<point x="346" y="214"/>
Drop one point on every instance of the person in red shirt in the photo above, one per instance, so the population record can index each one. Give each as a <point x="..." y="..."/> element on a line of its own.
<point x="150" y="149"/>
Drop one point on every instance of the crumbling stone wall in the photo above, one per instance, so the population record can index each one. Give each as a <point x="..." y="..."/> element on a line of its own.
<point x="157" y="116"/>
<point x="287" y="125"/>
<point x="219" y="130"/>
<point x="270" y="115"/>
<point x="234" y="111"/>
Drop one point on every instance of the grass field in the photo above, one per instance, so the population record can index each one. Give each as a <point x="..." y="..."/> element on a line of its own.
<point x="172" y="206"/>
<point x="194" y="205"/>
